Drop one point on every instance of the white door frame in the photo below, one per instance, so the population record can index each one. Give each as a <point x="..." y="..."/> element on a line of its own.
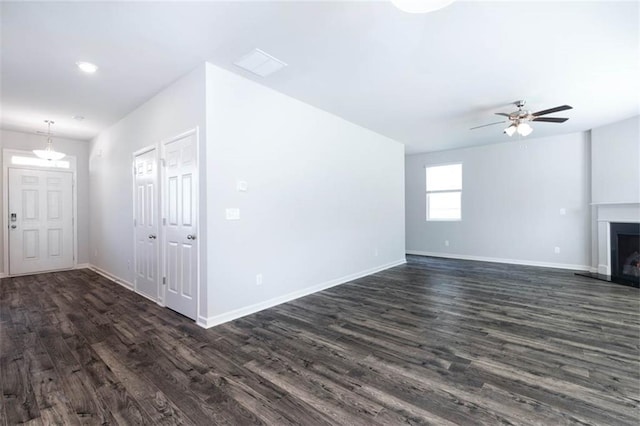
<point x="159" y="294"/>
<point x="7" y="155"/>
<point x="195" y="131"/>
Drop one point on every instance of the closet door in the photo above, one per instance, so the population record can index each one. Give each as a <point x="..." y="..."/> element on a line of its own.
<point x="146" y="209"/>
<point x="180" y="213"/>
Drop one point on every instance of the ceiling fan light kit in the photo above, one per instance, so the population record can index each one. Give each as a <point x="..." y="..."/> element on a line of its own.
<point x="524" y="129"/>
<point x="519" y="120"/>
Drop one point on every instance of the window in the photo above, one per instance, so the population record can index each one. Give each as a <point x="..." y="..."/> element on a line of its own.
<point x="34" y="161"/>
<point x="444" y="192"/>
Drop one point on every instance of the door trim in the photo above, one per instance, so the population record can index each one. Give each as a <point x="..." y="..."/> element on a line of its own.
<point x="6" y="165"/>
<point x="159" y="299"/>
<point x="194" y="131"/>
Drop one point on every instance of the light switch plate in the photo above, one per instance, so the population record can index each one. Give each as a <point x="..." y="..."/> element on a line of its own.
<point x="233" y="214"/>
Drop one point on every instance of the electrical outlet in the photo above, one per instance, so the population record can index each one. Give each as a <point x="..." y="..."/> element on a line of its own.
<point x="557" y="250"/>
<point x="259" y="279"/>
<point x="563" y="211"/>
<point x="128" y="265"/>
<point x="375" y="252"/>
<point x="446" y="243"/>
<point x="95" y="253"/>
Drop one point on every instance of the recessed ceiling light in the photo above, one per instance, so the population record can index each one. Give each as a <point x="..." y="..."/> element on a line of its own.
<point x="87" y="67"/>
<point x="77" y="117"/>
<point x="260" y="63"/>
<point x="421" y="6"/>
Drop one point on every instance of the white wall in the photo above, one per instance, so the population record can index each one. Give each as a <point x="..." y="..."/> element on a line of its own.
<point x="615" y="150"/>
<point x="79" y="149"/>
<point x="178" y="108"/>
<point x="511" y="200"/>
<point x="323" y="195"/>
<point x="615" y="175"/>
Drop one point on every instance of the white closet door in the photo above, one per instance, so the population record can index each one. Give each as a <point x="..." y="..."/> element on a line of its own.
<point x="40" y="221"/>
<point x="180" y="208"/>
<point x="146" y="208"/>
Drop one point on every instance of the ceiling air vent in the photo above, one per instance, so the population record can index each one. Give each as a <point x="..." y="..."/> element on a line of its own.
<point x="260" y="63"/>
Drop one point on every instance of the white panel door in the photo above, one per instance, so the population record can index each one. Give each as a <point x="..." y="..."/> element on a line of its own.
<point x="40" y="221"/>
<point x="180" y="204"/>
<point x="146" y="224"/>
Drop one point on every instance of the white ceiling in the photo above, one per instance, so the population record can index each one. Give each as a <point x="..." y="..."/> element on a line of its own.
<point x="423" y="80"/>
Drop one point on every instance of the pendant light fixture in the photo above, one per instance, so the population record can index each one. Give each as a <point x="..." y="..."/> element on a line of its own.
<point x="420" y="6"/>
<point x="48" y="153"/>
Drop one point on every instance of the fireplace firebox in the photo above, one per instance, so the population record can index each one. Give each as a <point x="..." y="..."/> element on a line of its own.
<point x="625" y="252"/>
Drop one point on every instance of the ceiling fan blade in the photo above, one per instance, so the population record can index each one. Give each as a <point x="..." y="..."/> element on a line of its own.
<point x="502" y="113"/>
<point x="552" y="110"/>
<point x="485" y="125"/>
<point x="550" y="119"/>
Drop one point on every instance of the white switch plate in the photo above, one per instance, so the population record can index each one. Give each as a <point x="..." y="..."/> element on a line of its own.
<point x="242" y="186"/>
<point x="563" y="211"/>
<point x="233" y="214"/>
<point x="259" y="279"/>
<point x="446" y="243"/>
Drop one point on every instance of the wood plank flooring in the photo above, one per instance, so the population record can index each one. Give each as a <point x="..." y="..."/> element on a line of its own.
<point x="432" y="342"/>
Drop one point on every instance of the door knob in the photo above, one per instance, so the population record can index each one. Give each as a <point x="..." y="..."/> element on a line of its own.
<point x="191" y="237"/>
<point x="152" y="237"/>
<point x="13" y="226"/>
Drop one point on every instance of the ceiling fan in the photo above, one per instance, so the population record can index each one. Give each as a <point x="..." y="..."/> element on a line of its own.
<point x="519" y="120"/>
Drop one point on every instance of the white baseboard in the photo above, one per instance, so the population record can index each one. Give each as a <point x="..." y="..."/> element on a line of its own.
<point x="502" y="260"/>
<point x="126" y="284"/>
<point x="257" y="307"/>
<point x="78" y="266"/>
<point x="117" y="280"/>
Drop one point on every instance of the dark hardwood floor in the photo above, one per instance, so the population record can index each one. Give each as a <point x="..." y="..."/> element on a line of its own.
<point x="431" y="342"/>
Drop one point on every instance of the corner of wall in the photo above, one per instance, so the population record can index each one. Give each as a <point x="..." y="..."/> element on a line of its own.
<point x="208" y="322"/>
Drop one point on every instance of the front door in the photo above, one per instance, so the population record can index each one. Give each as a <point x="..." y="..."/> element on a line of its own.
<point x="180" y="212"/>
<point x="40" y="221"/>
<point x="146" y="224"/>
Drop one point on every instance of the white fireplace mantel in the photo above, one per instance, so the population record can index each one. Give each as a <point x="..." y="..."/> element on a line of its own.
<point x="606" y="214"/>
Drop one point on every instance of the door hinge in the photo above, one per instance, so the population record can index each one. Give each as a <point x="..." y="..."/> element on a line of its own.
<point x="164" y="221"/>
<point x="164" y="280"/>
<point x="135" y="222"/>
<point x="163" y="163"/>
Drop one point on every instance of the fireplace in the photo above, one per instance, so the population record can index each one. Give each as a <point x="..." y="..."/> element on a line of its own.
<point x="625" y="252"/>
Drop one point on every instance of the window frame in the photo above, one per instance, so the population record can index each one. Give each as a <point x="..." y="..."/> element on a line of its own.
<point x="444" y="191"/>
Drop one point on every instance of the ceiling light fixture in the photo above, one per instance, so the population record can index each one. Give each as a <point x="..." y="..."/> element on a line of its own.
<point x="420" y="6"/>
<point x="87" y="67"/>
<point x="510" y="130"/>
<point x="521" y="127"/>
<point x="48" y="153"/>
<point x="524" y="129"/>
